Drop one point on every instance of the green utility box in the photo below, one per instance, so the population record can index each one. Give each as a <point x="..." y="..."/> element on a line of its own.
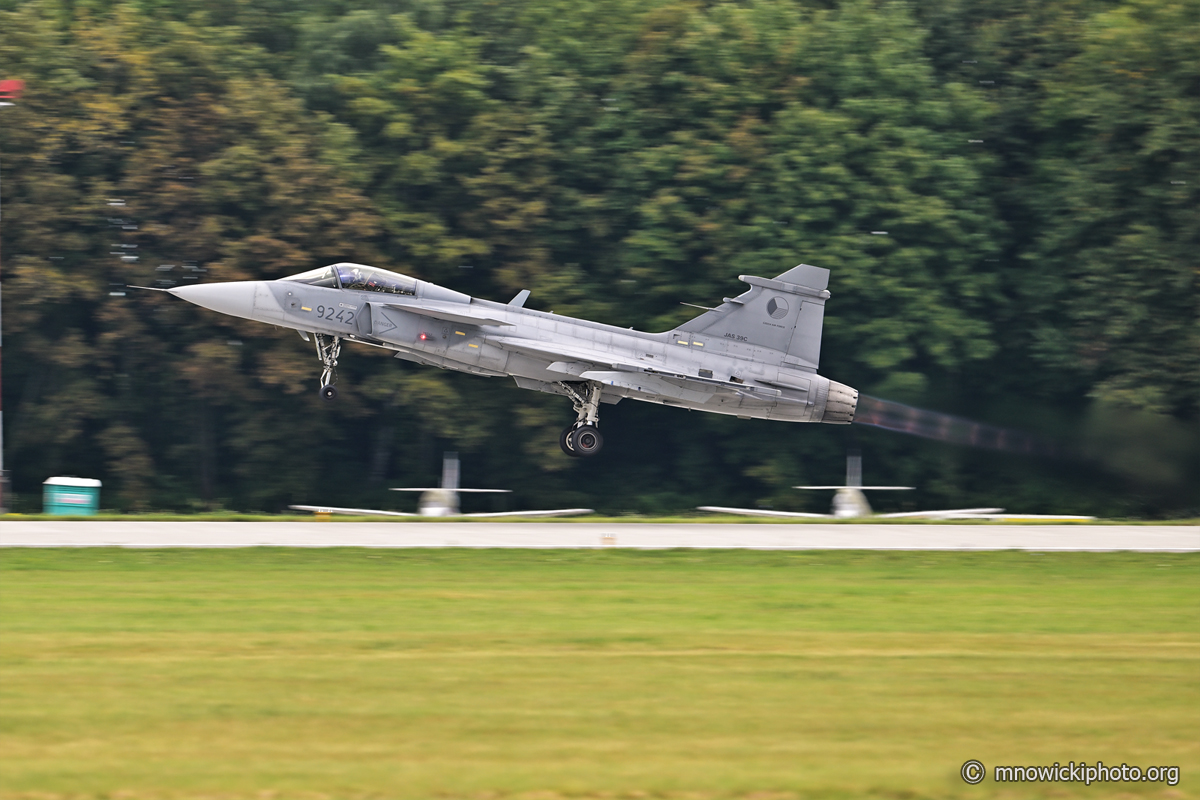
<point x="74" y="496"/>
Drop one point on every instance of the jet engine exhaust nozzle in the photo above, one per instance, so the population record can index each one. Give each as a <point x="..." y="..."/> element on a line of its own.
<point x="842" y="402"/>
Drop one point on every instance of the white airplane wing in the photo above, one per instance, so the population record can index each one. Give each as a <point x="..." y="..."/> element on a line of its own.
<point x="759" y="512"/>
<point x="1036" y="517"/>
<point x="873" y="488"/>
<point x="419" y="489"/>
<point x="950" y="513"/>
<point x="363" y="512"/>
<point x="554" y="512"/>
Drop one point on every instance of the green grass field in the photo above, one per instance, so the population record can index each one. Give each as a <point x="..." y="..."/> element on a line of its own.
<point x="277" y="673"/>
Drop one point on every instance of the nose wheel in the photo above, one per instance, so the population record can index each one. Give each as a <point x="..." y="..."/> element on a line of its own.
<point x="328" y="350"/>
<point x="583" y="439"/>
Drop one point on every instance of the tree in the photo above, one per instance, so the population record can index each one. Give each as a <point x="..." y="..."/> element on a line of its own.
<point x="1117" y="301"/>
<point x="144" y="157"/>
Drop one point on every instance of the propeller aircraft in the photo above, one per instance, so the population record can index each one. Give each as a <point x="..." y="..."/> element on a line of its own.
<point x="442" y="500"/>
<point x="849" y="502"/>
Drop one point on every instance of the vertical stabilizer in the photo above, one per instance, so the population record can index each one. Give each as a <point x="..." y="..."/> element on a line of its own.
<point x="785" y="313"/>
<point x="854" y="468"/>
<point x="450" y="472"/>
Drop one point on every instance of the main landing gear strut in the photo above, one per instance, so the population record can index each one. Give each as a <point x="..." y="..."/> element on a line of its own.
<point x="328" y="350"/>
<point x="583" y="439"/>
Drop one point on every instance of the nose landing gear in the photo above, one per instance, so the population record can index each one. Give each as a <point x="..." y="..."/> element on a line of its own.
<point x="583" y="439"/>
<point x="328" y="350"/>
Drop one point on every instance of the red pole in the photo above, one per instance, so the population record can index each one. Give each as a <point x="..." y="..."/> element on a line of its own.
<point x="9" y="90"/>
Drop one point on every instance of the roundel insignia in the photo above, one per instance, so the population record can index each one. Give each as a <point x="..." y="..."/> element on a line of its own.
<point x="777" y="307"/>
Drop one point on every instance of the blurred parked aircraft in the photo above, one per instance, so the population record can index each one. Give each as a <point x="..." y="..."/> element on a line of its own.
<point x="442" y="501"/>
<point x="849" y="502"/>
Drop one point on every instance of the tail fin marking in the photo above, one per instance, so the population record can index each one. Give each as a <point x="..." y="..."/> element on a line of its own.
<point x="784" y="314"/>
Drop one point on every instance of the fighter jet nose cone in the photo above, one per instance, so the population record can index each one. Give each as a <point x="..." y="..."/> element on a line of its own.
<point x="235" y="298"/>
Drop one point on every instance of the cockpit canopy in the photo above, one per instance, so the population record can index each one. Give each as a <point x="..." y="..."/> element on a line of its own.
<point x="322" y="276"/>
<point x="358" y="277"/>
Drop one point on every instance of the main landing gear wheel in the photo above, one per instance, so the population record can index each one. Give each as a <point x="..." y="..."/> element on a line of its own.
<point x="564" y="441"/>
<point x="328" y="392"/>
<point x="586" y="441"/>
<point x="583" y="438"/>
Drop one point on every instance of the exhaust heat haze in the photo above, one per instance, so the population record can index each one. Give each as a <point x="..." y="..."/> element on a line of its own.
<point x="946" y="428"/>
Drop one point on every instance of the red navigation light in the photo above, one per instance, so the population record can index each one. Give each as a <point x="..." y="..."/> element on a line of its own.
<point x="423" y="336"/>
<point x="11" y="89"/>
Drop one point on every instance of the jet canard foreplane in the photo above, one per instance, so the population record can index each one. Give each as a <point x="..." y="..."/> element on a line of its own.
<point x="754" y="356"/>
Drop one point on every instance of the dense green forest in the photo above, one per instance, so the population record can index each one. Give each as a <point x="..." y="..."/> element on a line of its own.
<point x="1034" y="163"/>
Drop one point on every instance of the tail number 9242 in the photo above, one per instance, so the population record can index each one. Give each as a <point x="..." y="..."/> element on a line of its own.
<point x="339" y="314"/>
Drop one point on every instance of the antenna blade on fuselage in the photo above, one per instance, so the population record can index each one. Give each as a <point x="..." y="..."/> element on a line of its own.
<point x="519" y="300"/>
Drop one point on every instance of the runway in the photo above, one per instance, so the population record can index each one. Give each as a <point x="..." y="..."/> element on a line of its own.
<point x="808" y="536"/>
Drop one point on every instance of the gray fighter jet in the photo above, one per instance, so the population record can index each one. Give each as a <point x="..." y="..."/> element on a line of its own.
<point x="753" y="356"/>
